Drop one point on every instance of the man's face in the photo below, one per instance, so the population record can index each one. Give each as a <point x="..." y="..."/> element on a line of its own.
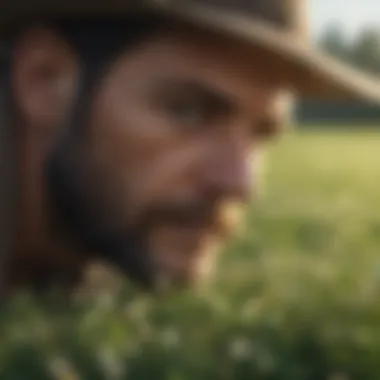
<point x="171" y="148"/>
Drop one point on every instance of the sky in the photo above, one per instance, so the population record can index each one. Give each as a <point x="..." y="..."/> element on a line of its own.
<point x="351" y="14"/>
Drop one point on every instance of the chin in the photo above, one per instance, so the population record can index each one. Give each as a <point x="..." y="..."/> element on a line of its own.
<point x="185" y="270"/>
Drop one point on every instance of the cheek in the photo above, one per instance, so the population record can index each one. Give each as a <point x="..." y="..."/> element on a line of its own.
<point x="169" y="174"/>
<point x="145" y="157"/>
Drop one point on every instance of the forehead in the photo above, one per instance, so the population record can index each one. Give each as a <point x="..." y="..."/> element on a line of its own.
<point x="205" y="58"/>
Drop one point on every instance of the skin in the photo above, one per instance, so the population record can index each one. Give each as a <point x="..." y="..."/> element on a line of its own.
<point x="171" y="148"/>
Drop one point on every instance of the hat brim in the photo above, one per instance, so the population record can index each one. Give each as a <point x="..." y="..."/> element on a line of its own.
<point x="308" y="72"/>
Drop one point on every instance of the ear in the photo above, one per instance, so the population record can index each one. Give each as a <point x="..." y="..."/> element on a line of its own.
<point x="44" y="77"/>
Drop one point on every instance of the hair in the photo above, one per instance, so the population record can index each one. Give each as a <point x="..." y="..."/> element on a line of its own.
<point x="97" y="42"/>
<point x="8" y="178"/>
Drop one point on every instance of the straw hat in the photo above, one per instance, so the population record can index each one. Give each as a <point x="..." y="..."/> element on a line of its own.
<point x="278" y="27"/>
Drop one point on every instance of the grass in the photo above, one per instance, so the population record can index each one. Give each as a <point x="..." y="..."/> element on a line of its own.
<point x="296" y="297"/>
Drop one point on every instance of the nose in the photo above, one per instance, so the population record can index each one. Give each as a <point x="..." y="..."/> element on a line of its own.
<point x="228" y="172"/>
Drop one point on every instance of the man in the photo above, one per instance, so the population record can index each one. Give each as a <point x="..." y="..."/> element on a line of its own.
<point x="139" y="127"/>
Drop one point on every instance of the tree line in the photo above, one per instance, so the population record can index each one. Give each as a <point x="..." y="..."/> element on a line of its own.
<point x="361" y="51"/>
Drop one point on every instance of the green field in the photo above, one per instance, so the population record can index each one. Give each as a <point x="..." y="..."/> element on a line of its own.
<point x="296" y="298"/>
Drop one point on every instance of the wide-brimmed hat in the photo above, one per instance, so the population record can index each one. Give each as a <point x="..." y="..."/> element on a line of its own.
<point x="278" y="27"/>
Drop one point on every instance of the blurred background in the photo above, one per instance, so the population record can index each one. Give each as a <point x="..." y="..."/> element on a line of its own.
<point x="350" y="31"/>
<point x="297" y="292"/>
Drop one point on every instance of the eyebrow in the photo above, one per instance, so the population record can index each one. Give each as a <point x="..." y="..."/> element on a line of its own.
<point x="212" y="97"/>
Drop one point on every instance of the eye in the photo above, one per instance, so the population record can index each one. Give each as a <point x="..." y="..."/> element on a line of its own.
<point x="189" y="113"/>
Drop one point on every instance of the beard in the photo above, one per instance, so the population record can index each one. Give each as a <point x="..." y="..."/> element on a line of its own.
<point x="77" y="213"/>
<point x="88" y="207"/>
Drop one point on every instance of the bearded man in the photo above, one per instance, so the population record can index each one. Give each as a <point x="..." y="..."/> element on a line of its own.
<point x="137" y="126"/>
